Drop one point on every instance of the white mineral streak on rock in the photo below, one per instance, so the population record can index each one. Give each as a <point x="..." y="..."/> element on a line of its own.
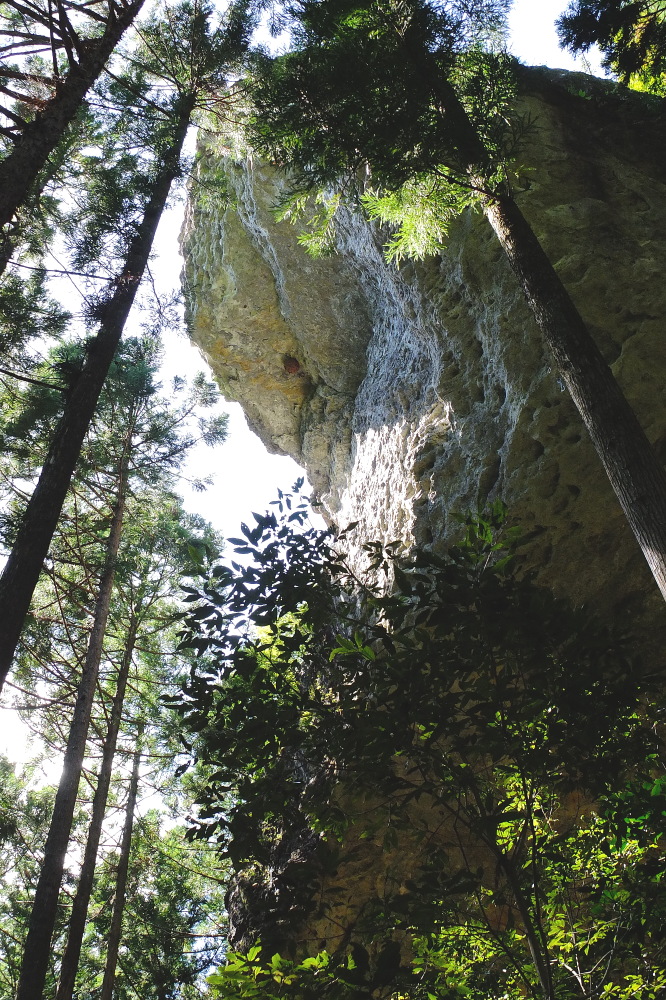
<point x="420" y="392"/>
<point x="248" y="213"/>
<point x="398" y="412"/>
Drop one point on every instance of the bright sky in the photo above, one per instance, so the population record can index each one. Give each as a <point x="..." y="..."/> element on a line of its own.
<point x="534" y="40"/>
<point x="246" y="477"/>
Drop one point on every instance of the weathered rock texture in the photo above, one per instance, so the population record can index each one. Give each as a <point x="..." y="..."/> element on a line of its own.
<point x="411" y="395"/>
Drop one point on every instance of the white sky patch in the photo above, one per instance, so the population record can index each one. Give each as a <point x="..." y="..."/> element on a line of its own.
<point x="533" y="38"/>
<point x="14" y="734"/>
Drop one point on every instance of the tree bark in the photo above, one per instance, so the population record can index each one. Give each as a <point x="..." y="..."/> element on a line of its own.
<point x="77" y="921"/>
<point x="20" y="169"/>
<point x="21" y="572"/>
<point x="36" y="953"/>
<point x="631" y="464"/>
<point x="113" y="944"/>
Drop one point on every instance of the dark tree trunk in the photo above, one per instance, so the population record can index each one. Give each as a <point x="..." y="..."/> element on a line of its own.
<point x="20" y="169"/>
<point x="113" y="944"/>
<point x="631" y="465"/>
<point x="37" y="949"/>
<point x="21" y="572"/>
<point x="77" y="921"/>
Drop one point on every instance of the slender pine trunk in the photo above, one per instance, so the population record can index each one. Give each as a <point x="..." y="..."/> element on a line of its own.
<point x="37" y="949"/>
<point x="21" y="572"/>
<point x="20" y="170"/>
<point x="115" y="932"/>
<point x="77" y="921"/>
<point x="631" y="464"/>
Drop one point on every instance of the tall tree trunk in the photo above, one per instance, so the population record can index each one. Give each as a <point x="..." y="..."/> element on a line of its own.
<point x="633" y="469"/>
<point x="20" y="169"/>
<point x="21" y="572"/>
<point x="77" y="921"/>
<point x="44" y="908"/>
<point x="113" y="944"/>
<point x="631" y="464"/>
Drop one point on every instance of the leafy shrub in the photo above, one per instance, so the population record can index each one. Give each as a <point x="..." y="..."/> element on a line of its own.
<point x="324" y="711"/>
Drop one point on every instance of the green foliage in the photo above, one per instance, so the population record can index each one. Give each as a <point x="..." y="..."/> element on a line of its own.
<point x="630" y="33"/>
<point x="27" y="311"/>
<point x="392" y="128"/>
<point x="170" y="914"/>
<point x="162" y="430"/>
<point x="135" y="424"/>
<point x="521" y="728"/>
<point x="252" y="976"/>
<point x="315" y="213"/>
<point x="25" y="812"/>
<point x="419" y="213"/>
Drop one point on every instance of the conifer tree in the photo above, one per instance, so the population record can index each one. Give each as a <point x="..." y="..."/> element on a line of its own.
<point x="184" y="54"/>
<point x="70" y="960"/>
<point x="63" y="33"/>
<point x="44" y="910"/>
<point x="630" y="33"/>
<point x="24" y="817"/>
<point x="173" y="918"/>
<point x="137" y="440"/>
<point x="113" y="943"/>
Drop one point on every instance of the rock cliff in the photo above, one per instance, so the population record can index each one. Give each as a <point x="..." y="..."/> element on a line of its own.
<point x="413" y="394"/>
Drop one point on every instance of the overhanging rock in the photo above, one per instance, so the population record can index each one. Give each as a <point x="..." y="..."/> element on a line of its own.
<point x="411" y="395"/>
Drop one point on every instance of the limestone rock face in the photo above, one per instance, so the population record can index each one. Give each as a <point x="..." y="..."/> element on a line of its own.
<point x="285" y="334"/>
<point x="414" y="394"/>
